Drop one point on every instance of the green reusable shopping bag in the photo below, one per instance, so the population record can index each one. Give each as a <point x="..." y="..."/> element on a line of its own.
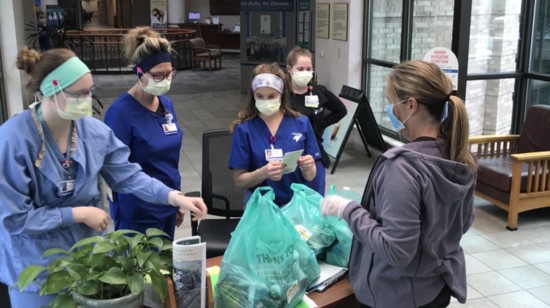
<point x="266" y="261"/>
<point x="304" y="212"/>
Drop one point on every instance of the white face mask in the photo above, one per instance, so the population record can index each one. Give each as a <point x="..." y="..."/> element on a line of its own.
<point x="156" y="88"/>
<point x="268" y="106"/>
<point x="302" y="78"/>
<point x="75" y="108"/>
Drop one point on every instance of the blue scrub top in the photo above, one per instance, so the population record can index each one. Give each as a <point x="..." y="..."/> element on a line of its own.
<point x="35" y="215"/>
<point x="157" y="152"/>
<point x="250" y="140"/>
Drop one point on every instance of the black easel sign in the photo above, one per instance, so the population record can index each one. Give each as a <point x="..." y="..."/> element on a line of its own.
<point x="359" y="114"/>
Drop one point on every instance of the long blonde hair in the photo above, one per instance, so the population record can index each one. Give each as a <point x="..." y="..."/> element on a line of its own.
<point x="429" y="85"/>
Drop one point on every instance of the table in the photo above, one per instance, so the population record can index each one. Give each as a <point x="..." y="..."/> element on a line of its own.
<point x="339" y="294"/>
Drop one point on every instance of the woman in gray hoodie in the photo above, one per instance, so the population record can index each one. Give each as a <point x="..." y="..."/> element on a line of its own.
<point x="418" y="201"/>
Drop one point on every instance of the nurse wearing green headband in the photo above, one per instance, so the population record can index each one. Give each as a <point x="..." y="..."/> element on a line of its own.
<point x="53" y="155"/>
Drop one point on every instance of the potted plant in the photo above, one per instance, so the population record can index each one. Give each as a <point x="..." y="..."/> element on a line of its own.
<point x="99" y="270"/>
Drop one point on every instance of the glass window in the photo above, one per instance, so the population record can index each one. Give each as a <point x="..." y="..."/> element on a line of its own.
<point x="540" y="51"/>
<point x="494" y="35"/>
<point x="428" y="16"/>
<point x="490" y="105"/>
<point x="377" y="94"/>
<point x="538" y="93"/>
<point x="386" y="30"/>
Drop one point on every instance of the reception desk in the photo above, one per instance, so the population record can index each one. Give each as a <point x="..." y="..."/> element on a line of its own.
<point x="214" y="35"/>
<point x="339" y="294"/>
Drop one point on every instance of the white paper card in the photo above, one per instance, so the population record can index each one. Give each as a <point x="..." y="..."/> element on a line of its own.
<point x="291" y="161"/>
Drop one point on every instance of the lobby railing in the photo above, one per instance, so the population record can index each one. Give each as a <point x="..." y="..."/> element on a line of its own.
<point x="103" y="51"/>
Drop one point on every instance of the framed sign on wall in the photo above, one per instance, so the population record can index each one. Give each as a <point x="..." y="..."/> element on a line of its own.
<point x="340" y="21"/>
<point x="322" y="22"/>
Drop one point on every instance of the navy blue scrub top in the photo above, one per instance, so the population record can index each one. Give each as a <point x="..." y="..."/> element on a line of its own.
<point x="250" y="140"/>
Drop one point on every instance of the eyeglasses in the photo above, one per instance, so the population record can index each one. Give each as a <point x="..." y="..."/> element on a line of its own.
<point x="81" y="94"/>
<point x="161" y="77"/>
<point x="399" y="102"/>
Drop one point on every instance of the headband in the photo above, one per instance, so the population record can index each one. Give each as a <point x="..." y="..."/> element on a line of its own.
<point x="63" y="76"/>
<point x="268" y="80"/>
<point x="151" y="61"/>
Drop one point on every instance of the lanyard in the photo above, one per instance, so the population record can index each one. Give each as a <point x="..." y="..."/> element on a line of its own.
<point x="272" y="140"/>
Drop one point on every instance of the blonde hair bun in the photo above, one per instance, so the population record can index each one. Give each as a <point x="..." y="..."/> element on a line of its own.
<point x="27" y="58"/>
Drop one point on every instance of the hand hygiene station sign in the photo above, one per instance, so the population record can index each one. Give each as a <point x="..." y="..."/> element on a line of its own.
<point x="446" y="60"/>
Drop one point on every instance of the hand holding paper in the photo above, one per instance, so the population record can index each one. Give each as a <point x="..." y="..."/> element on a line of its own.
<point x="290" y="161"/>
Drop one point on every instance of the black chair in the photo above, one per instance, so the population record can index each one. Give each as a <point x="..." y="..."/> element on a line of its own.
<point x="219" y="193"/>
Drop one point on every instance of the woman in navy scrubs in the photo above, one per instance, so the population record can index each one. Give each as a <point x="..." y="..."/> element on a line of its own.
<point x="144" y="119"/>
<point x="266" y="130"/>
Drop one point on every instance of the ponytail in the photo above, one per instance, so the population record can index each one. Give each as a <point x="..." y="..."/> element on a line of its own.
<point x="455" y="131"/>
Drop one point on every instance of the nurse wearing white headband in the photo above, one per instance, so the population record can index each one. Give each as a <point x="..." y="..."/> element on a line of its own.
<point x="266" y="130"/>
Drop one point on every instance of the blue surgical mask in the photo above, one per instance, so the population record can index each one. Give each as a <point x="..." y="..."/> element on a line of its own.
<point x="395" y="122"/>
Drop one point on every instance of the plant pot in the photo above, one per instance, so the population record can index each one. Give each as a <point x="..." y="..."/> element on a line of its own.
<point x="128" y="301"/>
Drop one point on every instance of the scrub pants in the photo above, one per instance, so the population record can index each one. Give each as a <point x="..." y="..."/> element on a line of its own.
<point x="29" y="299"/>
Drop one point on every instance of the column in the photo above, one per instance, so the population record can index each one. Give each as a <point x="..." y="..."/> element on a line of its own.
<point x="176" y="11"/>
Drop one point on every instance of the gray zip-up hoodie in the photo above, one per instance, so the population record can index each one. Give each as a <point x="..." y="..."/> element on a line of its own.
<point x="416" y="207"/>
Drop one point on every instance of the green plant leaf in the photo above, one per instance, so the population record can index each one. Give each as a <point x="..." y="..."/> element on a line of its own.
<point x="101" y="262"/>
<point x="153" y="262"/>
<point x="56" y="282"/>
<point x="113" y="276"/>
<point x="116" y="235"/>
<point x="88" y="241"/>
<point x="103" y="247"/>
<point x="53" y="251"/>
<point x="126" y="263"/>
<point x="142" y="257"/>
<point x="28" y="275"/>
<point x="152" y="232"/>
<point x="136" y="283"/>
<point x="63" y="301"/>
<point x="135" y="240"/>
<point x="159" y="283"/>
<point x="77" y="271"/>
<point x="157" y="242"/>
<point x="88" y="287"/>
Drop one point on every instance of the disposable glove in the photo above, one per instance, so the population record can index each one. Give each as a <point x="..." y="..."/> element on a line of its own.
<point x="195" y="205"/>
<point x="334" y="205"/>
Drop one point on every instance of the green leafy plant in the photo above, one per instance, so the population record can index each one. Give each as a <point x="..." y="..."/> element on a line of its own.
<point x="104" y="267"/>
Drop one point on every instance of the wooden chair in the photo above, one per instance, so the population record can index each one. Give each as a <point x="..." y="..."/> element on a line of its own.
<point x="514" y="170"/>
<point x="202" y="53"/>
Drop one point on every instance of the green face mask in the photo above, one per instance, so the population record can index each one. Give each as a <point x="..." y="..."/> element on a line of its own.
<point x="75" y="108"/>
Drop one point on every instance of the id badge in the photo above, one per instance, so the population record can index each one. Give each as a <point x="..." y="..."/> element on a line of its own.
<point x="169" y="128"/>
<point x="67" y="187"/>
<point x="274" y="154"/>
<point x="312" y="101"/>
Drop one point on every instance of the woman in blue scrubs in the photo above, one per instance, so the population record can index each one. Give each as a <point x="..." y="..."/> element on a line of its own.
<point x="144" y="119"/>
<point x="266" y="130"/>
<point x="54" y="153"/>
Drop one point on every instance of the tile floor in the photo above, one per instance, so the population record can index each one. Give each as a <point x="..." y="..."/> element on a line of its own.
<point x="505" y="269"/>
